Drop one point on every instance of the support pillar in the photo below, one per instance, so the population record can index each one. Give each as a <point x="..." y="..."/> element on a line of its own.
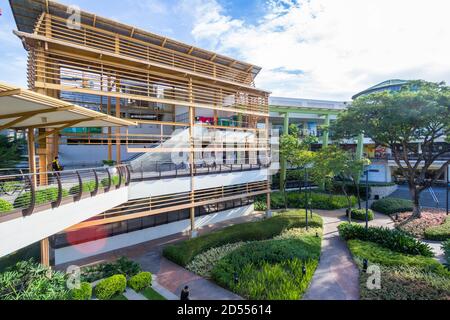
<point x="283" y="162"/>
<point x="360" y="146"/>
<point x="117" y="129"/>
<point x="325" y="133"/>
<point x="108" y="112"/>
<point x="191" y="159"/>
<point x="32" y="155"/>
<point x="45" y="252"/>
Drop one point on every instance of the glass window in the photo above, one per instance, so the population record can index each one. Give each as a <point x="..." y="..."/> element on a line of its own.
<point x="148" y="222"/>
<point x="160" y="219"/>
<point x="134" y="224"/>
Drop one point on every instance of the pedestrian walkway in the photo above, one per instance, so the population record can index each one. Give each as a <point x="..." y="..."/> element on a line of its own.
<point x="337" y="276"/>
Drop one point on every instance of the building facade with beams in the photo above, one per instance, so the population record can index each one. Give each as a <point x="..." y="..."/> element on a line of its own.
<point x="199" y="153"/>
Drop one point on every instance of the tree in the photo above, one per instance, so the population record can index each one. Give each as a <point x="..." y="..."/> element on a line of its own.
<point x="334" y="165"/>
<point x="296" y="151"/>
<point x="398" y="120"/>
<point x="10" y="151"/>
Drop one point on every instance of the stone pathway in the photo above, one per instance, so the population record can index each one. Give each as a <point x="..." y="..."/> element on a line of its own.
<point x="337" y="276"/>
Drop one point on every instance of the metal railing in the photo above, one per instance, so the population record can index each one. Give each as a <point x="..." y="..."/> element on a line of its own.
<point x="28" y="193"/>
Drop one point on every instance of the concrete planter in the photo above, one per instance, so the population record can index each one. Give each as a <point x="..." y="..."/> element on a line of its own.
<point x="380" y="192"/>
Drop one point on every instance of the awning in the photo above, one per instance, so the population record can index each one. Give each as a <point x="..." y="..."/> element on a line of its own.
<point x="22" y="108"/>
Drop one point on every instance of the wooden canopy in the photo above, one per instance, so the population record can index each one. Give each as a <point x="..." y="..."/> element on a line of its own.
<point x="22" y="108"/>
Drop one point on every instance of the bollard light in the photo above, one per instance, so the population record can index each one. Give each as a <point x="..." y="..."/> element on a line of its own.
<point x="317" y="234"/>
<point x="396" y="217"/>
<point x="365" y="265"/>
<point x="236" y="278"/>
<point x="304" y="270"/>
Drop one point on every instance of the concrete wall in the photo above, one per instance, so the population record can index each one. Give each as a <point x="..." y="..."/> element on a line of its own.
<point x="21" y="232"/>
<point x="96" y="247"/>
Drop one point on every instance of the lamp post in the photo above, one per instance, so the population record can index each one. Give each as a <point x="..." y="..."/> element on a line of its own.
<point x="306" y="198"/>
<point x="446" y="189"/>
<point x="366" y="173"/>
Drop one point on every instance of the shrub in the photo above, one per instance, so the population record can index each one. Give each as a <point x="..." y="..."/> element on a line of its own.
<point x="377" y="254"/>
<point x="184" y="252"/>
<point x="360" y="214"/>
<point x="270" y="269"/>
<point x="123" y="266"/>
<point x="296" y="199"/>
<point x="297" y="233"/>
<point x="85" y="186"/>
<point x="140" y="281"/>
<point x="27" y="280"/>
<point x="392" y="205"/>
<point x="84" y="292"/>
<point x="438" y="233"/>
<point x="446" y="248"/>
<point x="5" y="206"/>
<point x="389" y="238"/>
<point x="260" y="205"/>
<point x="109" y="287"/>
<point x="42" y="196"/>
<point x="114" y="181"/>
<point x="203" y="263"/>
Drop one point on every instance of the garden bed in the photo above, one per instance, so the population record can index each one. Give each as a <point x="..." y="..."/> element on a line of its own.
<point x="270" y="259"/>
<point x="431" y="225"/>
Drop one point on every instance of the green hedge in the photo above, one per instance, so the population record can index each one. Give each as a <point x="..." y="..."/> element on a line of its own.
<point x="360" y="214"/>
<point x="85" y="186"/>
<point x="446" y="248"/>
<point x="377" y="254"/>
<point x="123" y="266"/>
<point x="84" y="292"/>
<point x="109" y="287"/>
<point x="114" y="181"/>
<point x="140" y="281"/>
<point x="438" y="233"/>
<point x="42" y="196"/>
<point x="184" y="252"/>
<point x="393" y="239"/>
<point x="5" y="206"/>
<point x="296" y="199"/>
<point x="392" y="205"/>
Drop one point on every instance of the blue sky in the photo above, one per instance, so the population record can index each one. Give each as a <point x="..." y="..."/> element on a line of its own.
<point x="323" y="49"/>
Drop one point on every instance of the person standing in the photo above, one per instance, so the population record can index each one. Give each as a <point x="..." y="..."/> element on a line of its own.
<point x="184" y="294"/>
<point x="55" y="165"/>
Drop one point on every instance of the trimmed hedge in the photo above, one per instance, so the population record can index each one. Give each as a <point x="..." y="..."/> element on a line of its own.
<point x="140" y="281"/>
<point x="109" y="287"/>
<point x="85" y="186"/>
<point x="184" y="252"/>
<point x="5" y="206"/>
<point x="393" y="239"/>
<point x="114" y="181"/>
<point x="438" y="233"/>
<point x="298" y="200"/>
<point x="84" y="292"/>
<point x="42" y="196"/>
<point x="446" y="248"/>
<point x="392" y="205"/>
<point x="360" y="214"/>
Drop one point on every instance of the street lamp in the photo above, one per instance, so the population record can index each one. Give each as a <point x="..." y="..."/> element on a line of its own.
<point x="306" y="197"/>
<point x="446" y="188"/>
<point x="366" y="173"/>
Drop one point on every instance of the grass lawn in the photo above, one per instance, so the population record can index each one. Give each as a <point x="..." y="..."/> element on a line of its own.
<point x="439" y="233"/>
<point x="403" y="276"/>
<point x="151" y="294"/>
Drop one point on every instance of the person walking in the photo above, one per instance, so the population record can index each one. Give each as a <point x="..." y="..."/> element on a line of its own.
<point x="55" y="165"/>
<point x="184" y="294"/>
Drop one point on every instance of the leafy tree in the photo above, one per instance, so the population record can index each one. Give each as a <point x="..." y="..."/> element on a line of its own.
<point x="419" y="112"/>
<point x="10" y="151"/>
<point x="332" y="164"/>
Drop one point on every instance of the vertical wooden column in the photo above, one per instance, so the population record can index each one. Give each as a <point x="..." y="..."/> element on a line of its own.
<point x="325" y="134"/>
<point x="269" y="176"/>
<point x="117" y="129"/>
<point x="283" y="164"/>
<point x="108" y="112"/>
<point x="45" y="252"/>
<point x="191" y="157"/>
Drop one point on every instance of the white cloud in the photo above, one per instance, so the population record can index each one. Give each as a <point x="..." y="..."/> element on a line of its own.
<point x="340" y="47"/>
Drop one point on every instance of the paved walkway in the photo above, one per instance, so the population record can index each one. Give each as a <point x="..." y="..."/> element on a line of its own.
<point x="170" y="275"/>
<point x="337" y="276"/>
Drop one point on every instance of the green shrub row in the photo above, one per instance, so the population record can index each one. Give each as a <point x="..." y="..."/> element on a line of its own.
<point x="123" y="266"/>
<point x="392" y="205"/>
<point x="85" y="187"/>
<point x="5" y="206"/>
<point x="438" y="233"/>
<point x="84" y="292"/>
<point x="296" y="199"/>
<point x="446" y="248"/>
<point x="140" y="281"/>
<point x="393" y="239"/>
<point x="377" y="254"/>
<point x="184" y="252"/>
<point x="111" y="286"/>
<point x="42" y="196"/>
<point x="360" y="214"/>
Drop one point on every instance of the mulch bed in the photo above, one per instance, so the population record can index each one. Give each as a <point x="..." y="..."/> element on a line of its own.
<point x="416" y="227"/>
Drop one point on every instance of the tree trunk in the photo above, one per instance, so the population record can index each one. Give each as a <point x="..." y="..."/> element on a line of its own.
<point x="349" y="202"/>
<point x="285" y="195"/>
<point x="415" y="196"/>
<point x="358" y="193"/>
